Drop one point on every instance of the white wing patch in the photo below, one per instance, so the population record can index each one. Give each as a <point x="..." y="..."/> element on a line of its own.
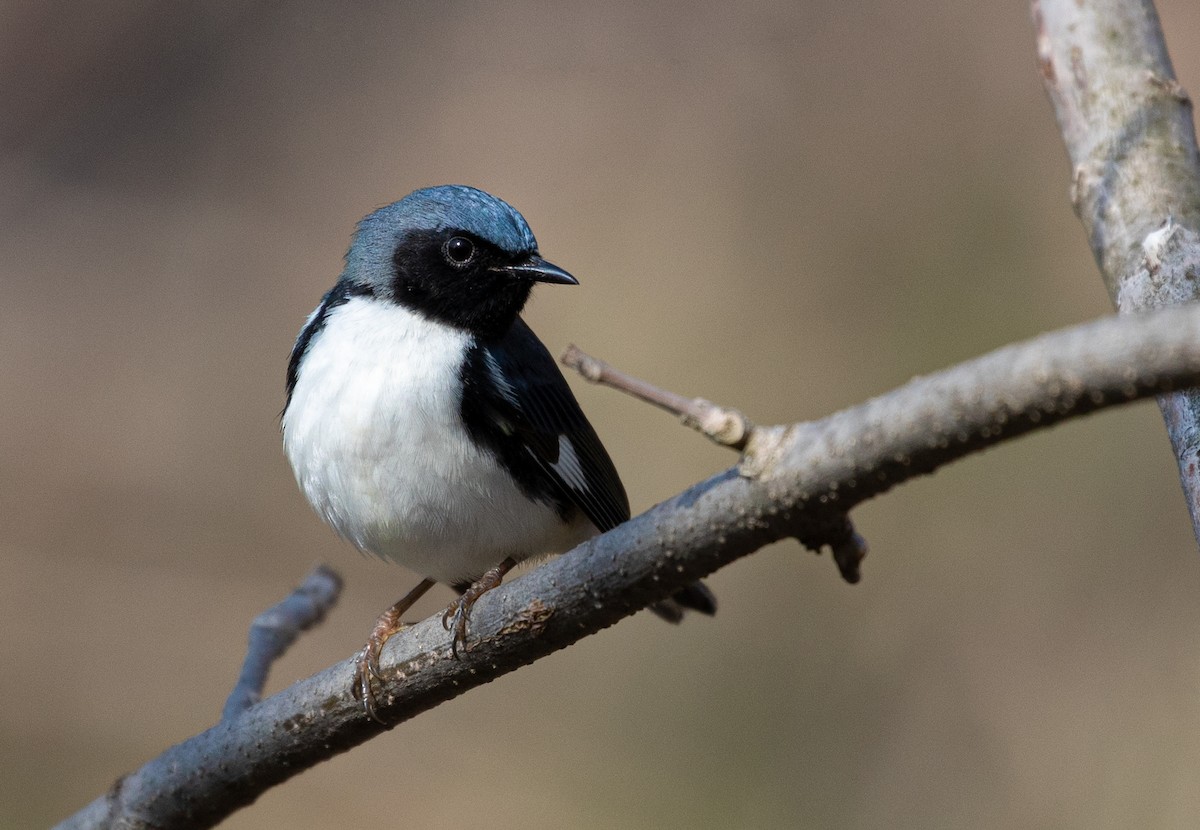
<point x="568" y="464"/>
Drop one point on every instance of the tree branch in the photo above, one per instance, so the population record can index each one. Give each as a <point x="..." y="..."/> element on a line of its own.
<point x="793" y="481"/>
<point x="723" y="426"/>
<point x="1127" y="126"/>
<point x="275" y="629"/>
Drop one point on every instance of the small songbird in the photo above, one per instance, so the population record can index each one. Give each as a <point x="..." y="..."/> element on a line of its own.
<point x="427" y="423"/>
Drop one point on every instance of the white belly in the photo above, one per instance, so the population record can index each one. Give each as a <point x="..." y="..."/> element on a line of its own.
<point x="375" y="438"/>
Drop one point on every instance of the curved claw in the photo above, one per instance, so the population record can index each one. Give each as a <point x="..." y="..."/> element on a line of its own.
<point x="455" y="619"/>
<point x="370" y="659"/>
<point x="458" y="614"/>
<point x="366" y="667"/>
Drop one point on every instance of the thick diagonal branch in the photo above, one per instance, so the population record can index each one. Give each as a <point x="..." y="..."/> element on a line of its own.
<point x="797" y="481"/>
<point x="1127" y="126"/>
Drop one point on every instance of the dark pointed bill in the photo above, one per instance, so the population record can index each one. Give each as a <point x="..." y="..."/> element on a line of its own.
<point x="538" y="270"/>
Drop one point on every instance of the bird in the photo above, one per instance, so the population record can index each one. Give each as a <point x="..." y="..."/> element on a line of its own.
<point x="428" y="425"/>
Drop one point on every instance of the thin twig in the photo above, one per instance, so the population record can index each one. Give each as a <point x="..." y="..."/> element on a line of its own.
<point x="275" y="629"/>
<point x="727" y="427"/>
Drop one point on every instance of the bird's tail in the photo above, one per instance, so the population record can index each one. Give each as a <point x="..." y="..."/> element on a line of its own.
<point x="694" y="597"/>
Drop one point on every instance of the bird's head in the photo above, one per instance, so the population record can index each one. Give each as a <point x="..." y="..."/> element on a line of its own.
<point x="452" y="253"/>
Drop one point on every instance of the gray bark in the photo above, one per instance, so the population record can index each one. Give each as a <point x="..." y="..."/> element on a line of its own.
<point x="1127" y="126"/>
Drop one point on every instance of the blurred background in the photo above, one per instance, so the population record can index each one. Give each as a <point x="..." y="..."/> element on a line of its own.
<point x="786" y="207"/>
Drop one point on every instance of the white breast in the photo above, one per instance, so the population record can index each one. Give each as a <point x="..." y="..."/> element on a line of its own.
<point x="376" y="441"/>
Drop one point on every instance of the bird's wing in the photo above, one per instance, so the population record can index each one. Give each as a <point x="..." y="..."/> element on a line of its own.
<point x="525" y="411"/>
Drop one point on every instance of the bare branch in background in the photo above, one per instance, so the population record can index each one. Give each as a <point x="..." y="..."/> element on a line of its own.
<point x="793" y="481"/>
<point x="723" y="426"/>
<point x="274" y="630"/>
<point x="1127" y="126"/>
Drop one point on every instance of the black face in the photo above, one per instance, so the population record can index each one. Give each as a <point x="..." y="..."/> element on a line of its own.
<point x="457" y="278"/>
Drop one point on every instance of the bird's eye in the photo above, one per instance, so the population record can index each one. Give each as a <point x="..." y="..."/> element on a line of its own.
<point x="459" y="250"/>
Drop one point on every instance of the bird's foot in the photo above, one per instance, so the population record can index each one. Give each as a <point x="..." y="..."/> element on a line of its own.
<point x="458" y="614"/>
<point x="366" y="668"/>
<point x="366" y="664"/>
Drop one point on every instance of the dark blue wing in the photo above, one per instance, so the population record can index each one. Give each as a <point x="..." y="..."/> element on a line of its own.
<point x="516" y="402"/>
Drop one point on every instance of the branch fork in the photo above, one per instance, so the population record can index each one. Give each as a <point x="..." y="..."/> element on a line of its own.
<point x="728" y="427"/>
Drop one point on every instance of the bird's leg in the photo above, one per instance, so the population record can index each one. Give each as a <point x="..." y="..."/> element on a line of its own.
<point x="366" y="666"/>
<point x="459" y="613"/>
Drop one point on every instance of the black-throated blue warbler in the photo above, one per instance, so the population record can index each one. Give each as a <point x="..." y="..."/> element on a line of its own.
<point x="427" y="423"/>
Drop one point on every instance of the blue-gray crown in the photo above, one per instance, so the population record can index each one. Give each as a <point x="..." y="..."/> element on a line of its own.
<point x="453" y="206"/>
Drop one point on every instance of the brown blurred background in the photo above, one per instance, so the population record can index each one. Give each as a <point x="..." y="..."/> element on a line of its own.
<point x="787" y="207"/>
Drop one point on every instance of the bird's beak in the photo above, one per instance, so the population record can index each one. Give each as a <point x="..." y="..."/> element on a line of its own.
<point x="537" y="269"/>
